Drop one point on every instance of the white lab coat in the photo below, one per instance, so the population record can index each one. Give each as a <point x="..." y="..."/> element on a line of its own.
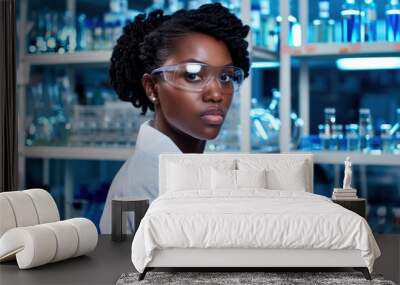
<point x="138" y="176"/>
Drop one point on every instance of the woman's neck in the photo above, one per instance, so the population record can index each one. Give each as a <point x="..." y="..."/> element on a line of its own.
<point x="186" y="143"/>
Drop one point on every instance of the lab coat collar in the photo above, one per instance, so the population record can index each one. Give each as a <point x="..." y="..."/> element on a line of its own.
<point x="151" y="140"/>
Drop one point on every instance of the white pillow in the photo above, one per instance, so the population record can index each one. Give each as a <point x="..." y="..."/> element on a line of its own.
<point x="293" y="180"/>
<point x="251" y="178"/>
<point x="227" y="179"/>
<point x="182" y="177"/>
<point x="223" y="179"/>
<point x="282" y="173"/>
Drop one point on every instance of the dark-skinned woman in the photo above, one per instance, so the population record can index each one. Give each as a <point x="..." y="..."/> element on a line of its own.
<point x="186" y="67"/>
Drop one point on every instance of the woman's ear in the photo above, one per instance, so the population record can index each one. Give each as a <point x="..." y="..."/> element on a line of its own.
<point x="149" y="86"/>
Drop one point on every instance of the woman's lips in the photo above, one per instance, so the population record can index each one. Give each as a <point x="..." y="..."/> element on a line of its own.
<point x="213" y="116"/>
<point x="213" y="119"/>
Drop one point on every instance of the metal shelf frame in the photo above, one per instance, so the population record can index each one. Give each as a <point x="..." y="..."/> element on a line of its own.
<point x="336" y="50"/>
<point x="262" y="54"/>
<point x="358" y="158"/>
<point x="103" y="57"/>
<point x="78" y="57"/>
<point x="78" y="153"/>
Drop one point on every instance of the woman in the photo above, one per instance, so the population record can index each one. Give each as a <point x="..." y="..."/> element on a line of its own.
<point x="185" y="67"/>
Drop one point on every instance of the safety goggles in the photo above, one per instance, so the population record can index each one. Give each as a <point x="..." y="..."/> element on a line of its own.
<point x="193" y="76"/>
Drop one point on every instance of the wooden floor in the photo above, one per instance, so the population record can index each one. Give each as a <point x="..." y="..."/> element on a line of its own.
<point x="389" y="262"/>
<point x="106" y="264"/>
<point x="102" y="266"/>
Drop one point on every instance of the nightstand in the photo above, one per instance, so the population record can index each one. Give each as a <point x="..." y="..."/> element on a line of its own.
<point x="121" y="205"/>
<point x="358" y="206"/>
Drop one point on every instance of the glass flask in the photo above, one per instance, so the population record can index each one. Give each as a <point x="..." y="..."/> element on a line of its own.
<point x="255" y="24"/>
<point x="329" y="121"/>
<point x="98" y="35"/>
<point x="268" y="27"/>
<point x="366" y="131"/>
<point x="323" y="27"/>
<point x="351" y="22"/>
<point x="67" y="34"/>
<point x="297" y="125"/>
<point x="294" y="31"/>
<point x="85" y="33"/>
<point x="266" y="124"/>
<point x="352" y="137"/>
<point x="386" y="138"/>
<point x="393" y="21"/>
<point x="40" y="34"/>
<point x="323" y="137"/>
<point x="32" y="35"/>
<point x="395" y="132"/>
<point x="336" y="138"/>
<point x="368" y="21"/>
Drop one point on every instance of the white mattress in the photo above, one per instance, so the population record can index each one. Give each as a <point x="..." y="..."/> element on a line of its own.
<point x="256" y="218"/>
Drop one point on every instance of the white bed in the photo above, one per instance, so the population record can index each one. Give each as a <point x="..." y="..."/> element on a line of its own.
<point x="197" y="223"/>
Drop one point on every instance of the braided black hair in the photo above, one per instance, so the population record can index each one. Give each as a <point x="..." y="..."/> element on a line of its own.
<point x="146" y="42"/>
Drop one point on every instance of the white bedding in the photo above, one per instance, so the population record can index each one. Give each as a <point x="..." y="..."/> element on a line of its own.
<point x="252" y="218"/>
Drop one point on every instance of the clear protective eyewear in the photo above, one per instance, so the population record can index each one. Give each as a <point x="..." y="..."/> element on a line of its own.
<point x="194" y="76"/>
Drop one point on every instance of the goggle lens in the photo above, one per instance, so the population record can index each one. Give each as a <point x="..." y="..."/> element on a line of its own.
<point x="196" y="76"/>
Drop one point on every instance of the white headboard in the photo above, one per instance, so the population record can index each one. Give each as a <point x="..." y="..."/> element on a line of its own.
<point x="215" y="158"/>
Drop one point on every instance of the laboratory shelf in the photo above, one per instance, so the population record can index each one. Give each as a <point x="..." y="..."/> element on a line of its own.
<point x="263" y="54"/>
<point x="346" y="50"/>
<point x="103" y="57"/>
<point x="357" y="158"/>
<point x="80" y="57"/>
<point x="79" y="153"/>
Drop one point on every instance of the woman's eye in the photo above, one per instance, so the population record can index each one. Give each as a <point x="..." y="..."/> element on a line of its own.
<point x="192" y="77"/>
<point x="225" y="78"/>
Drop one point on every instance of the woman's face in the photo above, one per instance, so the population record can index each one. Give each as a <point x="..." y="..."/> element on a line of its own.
<point x="199" y="114"/>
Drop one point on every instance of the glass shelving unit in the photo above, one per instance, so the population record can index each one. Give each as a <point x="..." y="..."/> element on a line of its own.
<point x="368" y="165"/>
<point x="31" y="65"/>
<point x="319" y="51"/>
<point x="79" y="59"/>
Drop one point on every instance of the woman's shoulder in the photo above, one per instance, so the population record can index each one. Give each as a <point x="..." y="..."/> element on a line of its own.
<point x="138" y="167"/>
<point x="137" y="177"/>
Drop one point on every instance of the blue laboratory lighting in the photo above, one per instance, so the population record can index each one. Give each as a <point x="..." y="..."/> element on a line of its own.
<point x="265" y="64"/>
<point x="368" y="63"/>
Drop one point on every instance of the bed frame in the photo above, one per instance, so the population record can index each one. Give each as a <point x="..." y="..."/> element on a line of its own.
<point x="243" y="259"/>
<point x="246" y="258"/>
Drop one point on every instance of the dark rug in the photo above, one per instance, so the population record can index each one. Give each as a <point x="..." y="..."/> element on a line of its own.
<point x="228" y="278"/>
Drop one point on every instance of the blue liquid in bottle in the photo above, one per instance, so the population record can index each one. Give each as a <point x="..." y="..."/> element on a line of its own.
<point x="393" y="21"/>
<point x="368" y="21"/>
<point x="352" y="137"/>
<point x="323" y="27"/>
<point x="366" y="131"/>
<point x="351" y="22"/>
<point x="255" y="24"/>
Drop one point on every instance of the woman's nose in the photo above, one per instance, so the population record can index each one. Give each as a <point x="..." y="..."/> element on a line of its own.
<point x="213" y="91"/>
